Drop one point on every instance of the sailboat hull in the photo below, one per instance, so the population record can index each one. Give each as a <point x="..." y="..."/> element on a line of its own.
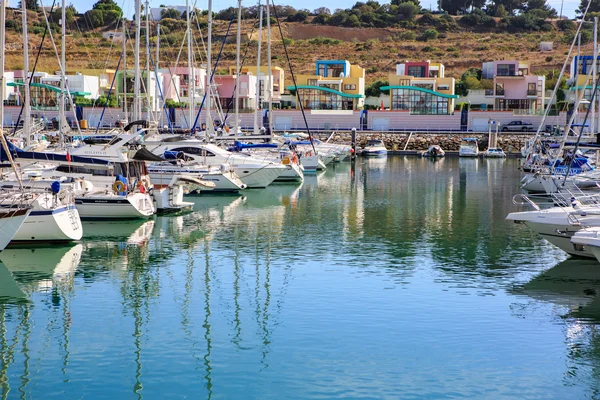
<point x="132" y="206"/>
<point x="60" y="224"/>
<point x="11" y="221"/>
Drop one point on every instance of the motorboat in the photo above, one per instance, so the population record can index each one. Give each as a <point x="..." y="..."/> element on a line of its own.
<point x="559" y="224"/>
<point x="469" y="147"/>
<point x="170" y="199"/>
<point x="275" y="153"/>
<point x="434" y="151"/>
<point x="374" y="148"/>
<point x="589" y="239"/>
<point x="253" y="172"/>
<point x="495" y="152"/>
<point x="222" y="179"/>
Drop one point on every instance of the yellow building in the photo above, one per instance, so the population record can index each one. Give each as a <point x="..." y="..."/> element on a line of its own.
<point x="337" y="85"/>
<point x="421" y="88"/>
<point x="278" y="79"/>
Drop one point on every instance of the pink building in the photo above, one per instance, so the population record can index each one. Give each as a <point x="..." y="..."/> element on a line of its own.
<point x="515" y="87"/>
<point x="226" y="89"/>
<point x="184" y="87"/>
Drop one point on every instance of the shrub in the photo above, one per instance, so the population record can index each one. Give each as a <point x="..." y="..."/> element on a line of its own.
<point x="478" y="20"/>
<point x="321" y="19"/>
<point x="300" y="16"/>
<point x="407" y="10"/>
<point x="549" y="58"/>
<point x="565" y="25"/>
<point x="427" y="19"/>
<point x="407" y="35"/>
<point x="429" y="34"/>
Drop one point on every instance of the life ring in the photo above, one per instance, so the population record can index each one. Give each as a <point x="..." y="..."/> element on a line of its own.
<point x="119" y="187"/>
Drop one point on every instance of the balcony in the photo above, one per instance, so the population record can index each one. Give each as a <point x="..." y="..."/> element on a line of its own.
<point x="531" y="92"/>
<point x="489" y="92"/>
<point x="499" y="92"/>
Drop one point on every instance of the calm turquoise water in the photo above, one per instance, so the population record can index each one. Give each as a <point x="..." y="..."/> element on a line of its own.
<point x="396" y="279"/>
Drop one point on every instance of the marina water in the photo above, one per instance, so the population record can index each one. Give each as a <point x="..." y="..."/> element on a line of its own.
<point x="387" y="278"/>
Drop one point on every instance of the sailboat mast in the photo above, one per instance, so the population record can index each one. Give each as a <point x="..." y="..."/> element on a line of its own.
<point x="209" y="125"/>
<point x="157" y="89"/>
<point x="269" y="72"/>
<point x="257" y="105"/>
<point x="149" y="100"/>
<point x="190" y="50"/>
<point x="236" y="124"/>
<point x="63" y="72"/>
<point x="136" y="62"/>
<point x="2" y="62"/>
<point x="125" y="72"/>
<point x="594" y="75"/>
<point x="26" y="77"/>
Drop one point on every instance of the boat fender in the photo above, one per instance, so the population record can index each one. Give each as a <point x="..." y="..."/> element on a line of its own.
<point x="141" y="186"/>
<point x="55" y="187"/>
<point x="119" y="187"/>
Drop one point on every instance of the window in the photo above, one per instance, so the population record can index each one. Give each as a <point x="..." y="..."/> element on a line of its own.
<point x="349" y="87"/>
<point x="404" y="82"/>
<point x="531" y="90"/>
<point x="418" y="102"/>
<point x="505" y="70"/>
<point x="312" y="82"/>
<point x="416" y="71"/>
<point x="194" y="151"/>
<point x="428" y="86"/>
<point x="443" y="87"/>
<point x="314" y="99"/>
<point x="499" y="89"/>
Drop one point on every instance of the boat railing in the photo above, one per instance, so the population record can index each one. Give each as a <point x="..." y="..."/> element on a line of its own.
<point x="522" y="200"/>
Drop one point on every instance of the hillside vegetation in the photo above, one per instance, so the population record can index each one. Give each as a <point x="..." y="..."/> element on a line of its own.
<point x="384" y="35"/>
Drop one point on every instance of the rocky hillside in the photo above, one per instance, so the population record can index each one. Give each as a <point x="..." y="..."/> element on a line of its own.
<point x="457" y="45"/>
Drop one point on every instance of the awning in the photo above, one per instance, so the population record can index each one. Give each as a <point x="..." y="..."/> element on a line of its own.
<point x="324" y="89"/>
<point x="419" y="89"/>
<point x="49" y="87"/>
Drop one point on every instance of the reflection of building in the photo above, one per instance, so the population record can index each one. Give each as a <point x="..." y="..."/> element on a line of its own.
<point x="421" y="88"/>
<point x="337" y="85"/>
<point x="515" y="88"/>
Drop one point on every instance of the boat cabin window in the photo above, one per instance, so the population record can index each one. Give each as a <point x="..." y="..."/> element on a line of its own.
<point x="195" y="151"/>
<point x="76" y="169"/>
<point x="374" y="143"/>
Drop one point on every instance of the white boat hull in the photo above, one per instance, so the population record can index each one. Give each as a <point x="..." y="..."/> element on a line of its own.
<point x="10" y="224"/>
<point x="310" y="164"/>
<point x="261" y="177"/>
<point x="224" y="182"/>
<point x="293" y="173"/>
<point x="98" y="206"/>
<point x="60" y="224"/>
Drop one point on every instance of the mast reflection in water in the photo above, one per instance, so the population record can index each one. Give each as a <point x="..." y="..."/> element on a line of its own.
<point x="392" y="278"/>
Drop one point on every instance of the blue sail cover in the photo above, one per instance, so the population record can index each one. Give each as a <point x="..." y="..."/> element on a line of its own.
<point x="20" y="154"/>
<point x="239" y="146"/>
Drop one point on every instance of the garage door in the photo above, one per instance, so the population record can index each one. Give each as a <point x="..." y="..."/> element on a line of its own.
<point x="380" y="124"/>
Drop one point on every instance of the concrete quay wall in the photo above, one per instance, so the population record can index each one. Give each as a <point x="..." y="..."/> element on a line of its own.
<point x="510" y="143"/>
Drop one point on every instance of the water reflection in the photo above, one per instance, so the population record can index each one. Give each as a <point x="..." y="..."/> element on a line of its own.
<point x="573" y="287"/>
<point x="368" y="264"/>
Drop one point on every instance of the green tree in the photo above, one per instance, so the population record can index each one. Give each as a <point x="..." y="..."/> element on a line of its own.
<point x="30" y="4"/>
<point x="501" y="11"/>
<point x="398" y="2"/>
<point x="107" y="5"/>
<point x="375" y="89"/>
<point x="407" y="10"/>
<point x="594" y="7"/>
<point x="170" y="13"/>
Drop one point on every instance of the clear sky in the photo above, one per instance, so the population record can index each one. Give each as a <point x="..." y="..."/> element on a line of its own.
<point x="569" y="6"/>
